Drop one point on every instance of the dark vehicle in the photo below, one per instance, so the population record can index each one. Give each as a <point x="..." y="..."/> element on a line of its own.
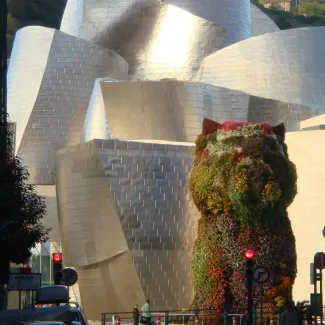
<point x="52" y="307"/>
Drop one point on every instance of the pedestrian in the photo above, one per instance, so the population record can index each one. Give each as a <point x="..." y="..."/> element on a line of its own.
<point x="136" y="315"/>
<point x="146" y="313"/>
<point x="290" y="315"/>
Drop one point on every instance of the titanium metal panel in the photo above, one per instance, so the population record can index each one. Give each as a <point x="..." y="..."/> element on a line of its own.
<point x="286" y="66"/>
<point x="173" y="110"/>
<point x="50" y="219"/>
<point x="60" y="97"/>
<point x="89" y="18"/>
<point x="25" y="73"/>
<point x="96" y="125"/>
<point x="261" y="23"/>
<point x="111" y="285"/>
<point x="233" y="15"/>
<point x="275" y="112"/>
<point x="167" y="110"/>
<point x="89" y="226"/>
<point x="153" y="214"/>
<point x="157" y="40"/>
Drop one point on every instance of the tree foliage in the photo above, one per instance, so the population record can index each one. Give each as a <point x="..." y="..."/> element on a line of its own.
<point x="22" y="209"/>
<point x="242" y="181"/>
<point x="308" y="14"/>
<point x="24" y="13"/>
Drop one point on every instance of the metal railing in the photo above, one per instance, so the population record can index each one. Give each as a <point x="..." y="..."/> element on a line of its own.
<point x="169" y="317"/>
<point x="204" y="317"/>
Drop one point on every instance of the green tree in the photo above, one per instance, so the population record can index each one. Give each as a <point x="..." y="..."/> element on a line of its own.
<point x="38" y="12"/>
<point x="22" y="210"/>
<point x="311" y="7"/>
<point x="13" y="25"/>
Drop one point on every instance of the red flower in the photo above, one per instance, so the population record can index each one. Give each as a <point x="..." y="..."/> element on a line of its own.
<point x="241" y="154"/>
<point x="210" y="126"/>
<point x="205" y="152"/>
<point x="267" y="128"/>
<point x="232" y="125"/>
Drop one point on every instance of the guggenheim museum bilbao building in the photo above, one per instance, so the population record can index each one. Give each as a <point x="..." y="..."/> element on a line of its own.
<point x="107" y="110"/>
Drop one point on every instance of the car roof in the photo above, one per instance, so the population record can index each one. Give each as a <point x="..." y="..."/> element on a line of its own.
<point x="44" y="323"/>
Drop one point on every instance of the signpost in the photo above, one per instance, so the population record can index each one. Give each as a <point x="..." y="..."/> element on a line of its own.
<point x="261" y="274"/>
<point x="70" y="277"/>
<point x="24" y="282"/>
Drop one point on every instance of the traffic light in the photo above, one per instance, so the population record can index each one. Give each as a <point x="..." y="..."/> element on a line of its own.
<point x="249" y="264"/>
<point x="57" y="261"/>
<point x="249" y="279"/>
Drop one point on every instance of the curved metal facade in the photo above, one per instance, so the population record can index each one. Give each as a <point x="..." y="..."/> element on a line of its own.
<point x="96" y="124"/>
<point x="127" y="221"/>
<point x="163" y="110"/>
<point x="286" y="66"/>
<point x="233" y="15"/>
<point x="157" y="40"/>
<point x="103" y="16"/>
<point x="173" y="110"/>
<point x="59" y="96"/>
<point x="261" y="23"/>
<point x="25" y="74"/>
<point x="136" y="194"/>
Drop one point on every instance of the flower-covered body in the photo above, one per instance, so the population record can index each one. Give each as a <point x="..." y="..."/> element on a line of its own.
<point x="242" y="182"/>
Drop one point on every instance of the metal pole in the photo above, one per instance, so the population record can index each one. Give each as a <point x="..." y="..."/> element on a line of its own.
<point x="321" y="294"/>
<point x="261" y="302"/>
<point x="315" y="288"/>
<point x="166" y="317"/>
<point x="250" y="299"/>
<point x="19" y="297"/>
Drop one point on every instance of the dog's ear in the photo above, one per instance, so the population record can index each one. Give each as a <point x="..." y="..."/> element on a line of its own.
<point x="210" y="126"/>
<point x="279" y="130"/>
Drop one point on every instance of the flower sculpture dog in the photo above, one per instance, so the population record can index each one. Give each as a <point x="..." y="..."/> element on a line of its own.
<point x="242" y="182"/>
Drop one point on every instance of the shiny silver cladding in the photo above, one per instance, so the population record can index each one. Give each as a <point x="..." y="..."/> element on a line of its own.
<point x="285" y="66"/>
<point x="128" y="196"/>
<point x="52" y="114"/>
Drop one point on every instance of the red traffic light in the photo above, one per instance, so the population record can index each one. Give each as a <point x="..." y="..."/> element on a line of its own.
<point x="249" y="254"/>
<point x="57" y="257"/>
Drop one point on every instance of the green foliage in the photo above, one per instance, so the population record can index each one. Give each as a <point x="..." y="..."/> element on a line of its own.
<point x="311" y="8"/>
<point x="310" y="13"/>
<point x="22" y="209"/>
<point x="243" y="172"/>
<point x="24" y="13"/>
<point x="242" y="182"/>
<point x="13" y="25"/>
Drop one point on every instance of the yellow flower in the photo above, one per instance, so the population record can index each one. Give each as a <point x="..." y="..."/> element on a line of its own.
<point x="271" y="191"/>
<point x="242" y="180"/>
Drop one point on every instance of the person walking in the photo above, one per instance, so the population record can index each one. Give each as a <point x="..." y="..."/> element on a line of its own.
<point x="136" y="315"/>
<point x="290" y="315"/>
<point x="146" y="313"/>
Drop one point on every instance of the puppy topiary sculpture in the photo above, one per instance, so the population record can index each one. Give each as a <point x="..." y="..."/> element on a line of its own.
<point x="242" y="182"/>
